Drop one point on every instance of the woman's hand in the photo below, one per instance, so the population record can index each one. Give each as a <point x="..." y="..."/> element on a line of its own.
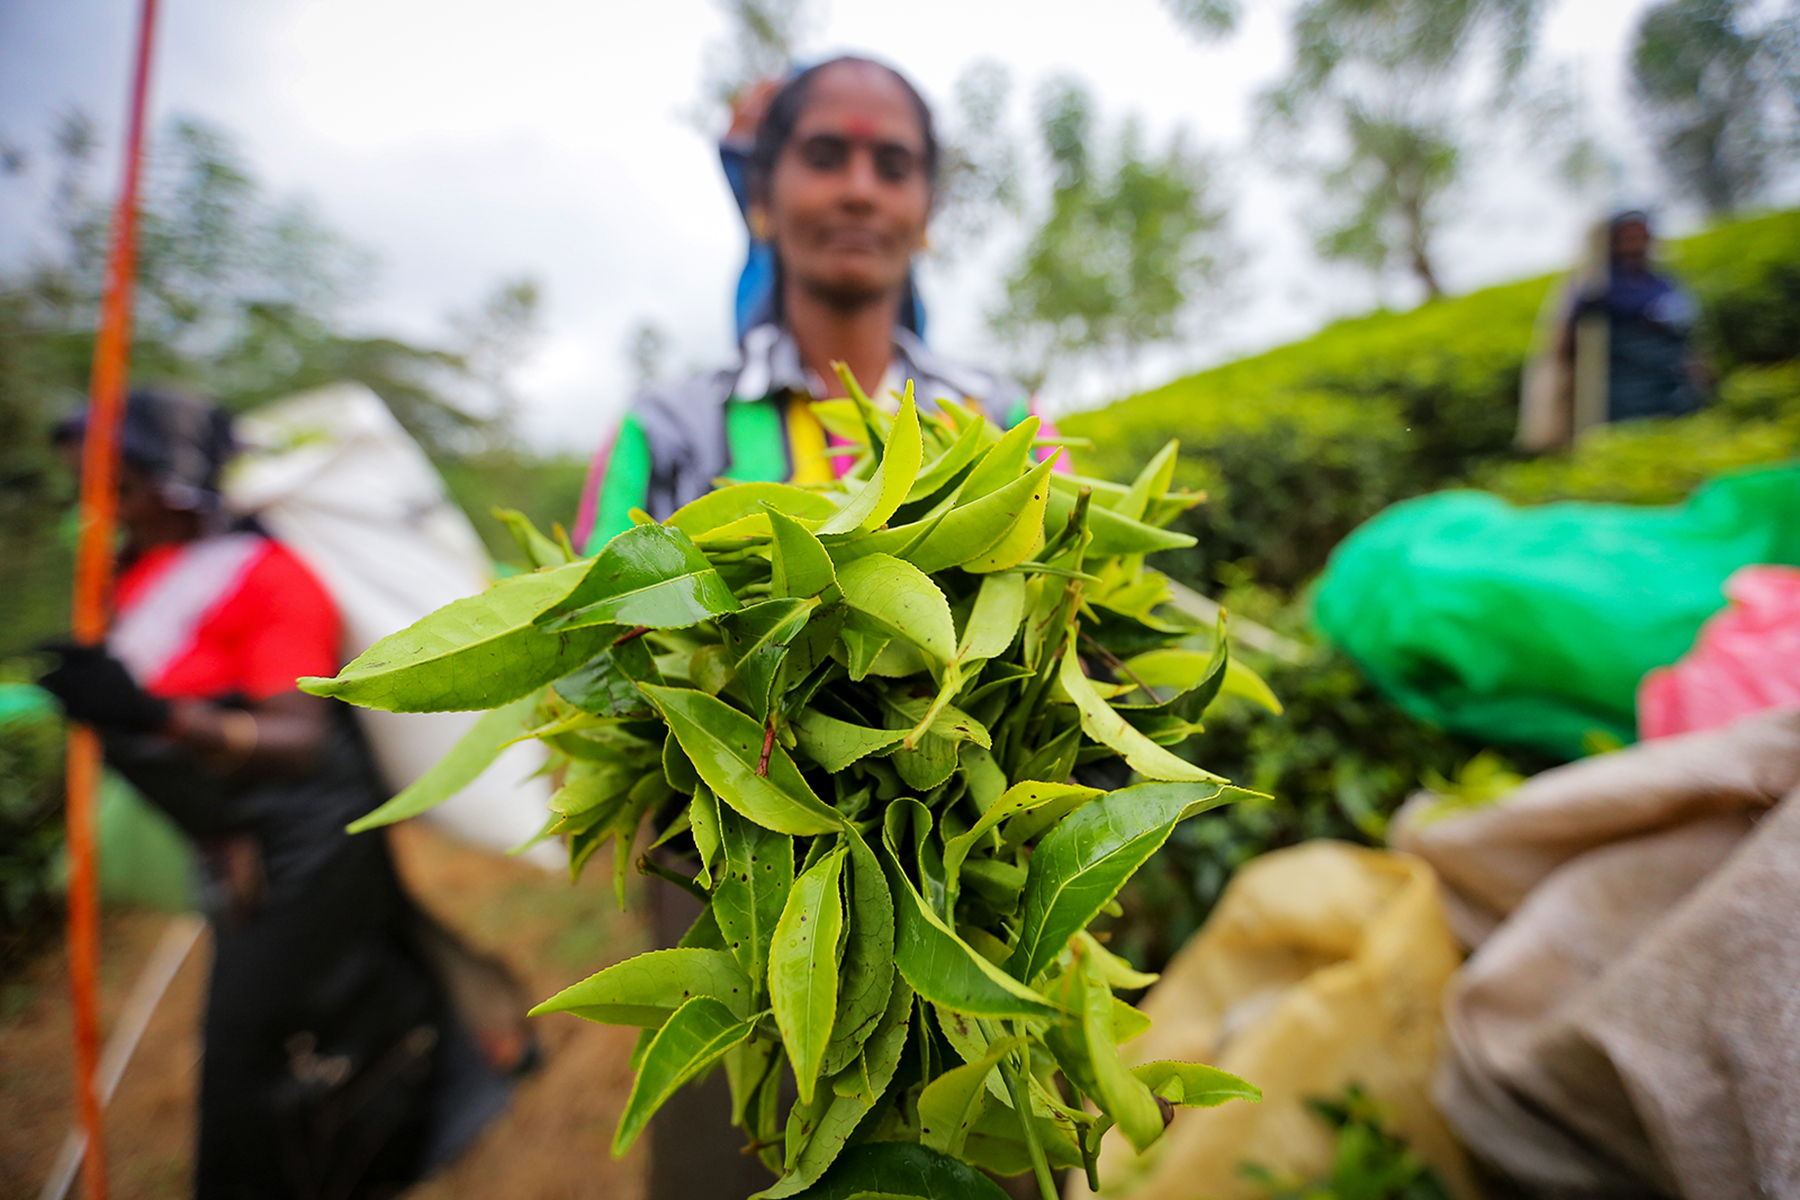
<point x="96" y="689"/>
<point x="275" y="737"/>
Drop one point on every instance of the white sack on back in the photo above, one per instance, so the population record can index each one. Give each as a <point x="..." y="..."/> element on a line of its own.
<point x="334" y="477"/>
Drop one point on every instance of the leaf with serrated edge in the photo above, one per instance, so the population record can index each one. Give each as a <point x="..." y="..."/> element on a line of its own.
<point x="478" y="652"/>
<point x="904" y="600"/>
<point x="727" y="504"/>
<point x="946" y="1103"/>
<point x="1019" y="798"/>
<point x="941" y="966"/>
<point x="754" y="880"/>
<point x="835" y="744"/>
<point x="647" y="990"/>
<point x="803" y="968"/>
<point x="1196" y="1084"/>
<point x="695" y="1037"/>
<point x="649" y="575"/>
<point x="994" y="620"/>
<point x="886" y="489"/>
<point x="868" y="955"/>
<point x="473" y="753"/>
<point x="1102" y="723"/>
<point x="985" y="534"/>
<point x="798" y="564"/>
<point x="724" y="745"/>
<point x="1083" y="862"/>
<point x="826" y="1140"/>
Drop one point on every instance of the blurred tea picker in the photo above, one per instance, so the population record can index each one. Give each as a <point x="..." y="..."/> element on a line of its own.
<point x="333" y="475"/>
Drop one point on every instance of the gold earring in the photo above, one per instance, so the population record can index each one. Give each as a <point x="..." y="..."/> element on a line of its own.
<point x="759" y="225"/>
<point x="925" y="243"/>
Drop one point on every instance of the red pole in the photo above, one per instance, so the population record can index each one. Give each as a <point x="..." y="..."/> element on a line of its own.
<point x="93" y="584"/>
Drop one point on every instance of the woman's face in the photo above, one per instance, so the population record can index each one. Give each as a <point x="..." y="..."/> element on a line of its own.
<point x="848" y="198"/>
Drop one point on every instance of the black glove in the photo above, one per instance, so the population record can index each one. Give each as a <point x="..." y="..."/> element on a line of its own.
<point x="96" y="689"/>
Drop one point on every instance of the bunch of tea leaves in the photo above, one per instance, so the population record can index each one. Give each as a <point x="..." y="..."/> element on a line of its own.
<point x="855" y="716"/>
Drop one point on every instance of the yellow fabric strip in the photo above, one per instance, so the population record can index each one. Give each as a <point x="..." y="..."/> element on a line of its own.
<point x="806" y="442"/>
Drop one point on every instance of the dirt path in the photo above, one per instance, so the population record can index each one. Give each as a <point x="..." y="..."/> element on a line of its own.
<point x="552" y="1145"/>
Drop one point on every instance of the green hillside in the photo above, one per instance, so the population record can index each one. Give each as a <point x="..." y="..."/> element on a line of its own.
<point x="1300" y="444"/>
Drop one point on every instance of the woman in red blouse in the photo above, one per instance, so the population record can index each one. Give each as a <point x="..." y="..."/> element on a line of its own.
<point x="334" y="1063"/>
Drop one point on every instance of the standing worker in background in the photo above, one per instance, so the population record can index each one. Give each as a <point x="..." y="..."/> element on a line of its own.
<point x="1620" y="349"/>
<point x="334" y="1065"/>
<point x="841" y="179"/>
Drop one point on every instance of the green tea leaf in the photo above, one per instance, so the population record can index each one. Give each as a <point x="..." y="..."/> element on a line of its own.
<point x="799" y="565"/>
<point x="835" y="744"/>
<point x="887" y="487"/>
<point x="941" y="470"/>
<point x="1100" y="722"/>
<point x="753" y="887"/>
<point x="1119" y="1093"/>
<point x="606" y="685"/>
<point x="980" y="535"/>
<point x="757" y="639"/>
<point x="473" y="753"/>
<point x="649" y="575"/>
<point x="695" y="1037"/>
<point x="1083" y="862"/>
<point x="1195" y="1085"/>
<point x="1017" y="799"/>
<point x="995" y="619"/>
<point x="941" y="967"/>
<point x="725" y="745"/>
<point x="647" y="990"/>
<point x="739" y="500"/>
<point x="827" y="1127"/>
<point x="950" y="1103"/>
<point x="903" y="600"/>
<point x="803" y="968"/>
<point x="1152" y="483"/>
<point x="899" y="1169"/>
<point x="868" y="956"/>
<point x="538" y="550"/>
<point x="1004" y="462"/>
<point x="703" y="824"/>
<point x="1113" y="534"/>
<point x="479" y="652"/>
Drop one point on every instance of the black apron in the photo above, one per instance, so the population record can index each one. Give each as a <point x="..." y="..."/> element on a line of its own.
<point x="335" y="1067"/>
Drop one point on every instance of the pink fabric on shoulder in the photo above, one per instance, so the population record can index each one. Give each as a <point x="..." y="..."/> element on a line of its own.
<point x="1746" y="660"/>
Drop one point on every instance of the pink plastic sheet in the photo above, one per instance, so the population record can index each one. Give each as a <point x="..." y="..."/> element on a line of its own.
<point x="1746" y="660"/>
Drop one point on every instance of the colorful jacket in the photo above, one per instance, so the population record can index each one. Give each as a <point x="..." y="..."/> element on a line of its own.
<point x="751" y="422"/>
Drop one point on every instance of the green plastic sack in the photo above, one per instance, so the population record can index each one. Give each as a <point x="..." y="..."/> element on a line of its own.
<point x="1533" y="626"/>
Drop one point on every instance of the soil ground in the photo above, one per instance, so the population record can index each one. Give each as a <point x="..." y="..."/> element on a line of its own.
<point x="551" y="1145"/>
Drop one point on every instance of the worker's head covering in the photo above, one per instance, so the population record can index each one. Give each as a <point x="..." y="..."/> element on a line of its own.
<point x="178" y="439"/>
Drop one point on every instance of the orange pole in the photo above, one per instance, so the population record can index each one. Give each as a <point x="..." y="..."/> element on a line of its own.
<point x="93" y="585"/>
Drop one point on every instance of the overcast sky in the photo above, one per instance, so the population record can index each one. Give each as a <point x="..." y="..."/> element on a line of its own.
<point x="467" y="141"/>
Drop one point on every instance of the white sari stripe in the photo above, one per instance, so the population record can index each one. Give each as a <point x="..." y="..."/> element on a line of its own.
<point x="161" y="625"/>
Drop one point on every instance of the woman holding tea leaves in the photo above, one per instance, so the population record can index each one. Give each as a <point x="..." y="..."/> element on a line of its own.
<point x="842" y="175"/>
<point x="842" y="178"/>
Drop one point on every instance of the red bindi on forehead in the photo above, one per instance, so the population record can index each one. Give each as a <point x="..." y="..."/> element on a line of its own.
<point x="860" y="127"/>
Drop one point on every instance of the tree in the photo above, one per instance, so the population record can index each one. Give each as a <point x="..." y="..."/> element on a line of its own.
<point x="1128" y="241"/>
<point x="240" y="297"/>
<point x="978" y="178"/>
<point x="1375" y="104"/>
<point x="1715" y="86"/>
<point x="762" y="40"/>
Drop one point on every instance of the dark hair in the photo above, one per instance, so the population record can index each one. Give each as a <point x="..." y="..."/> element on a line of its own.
<point x="784" y="110"/>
